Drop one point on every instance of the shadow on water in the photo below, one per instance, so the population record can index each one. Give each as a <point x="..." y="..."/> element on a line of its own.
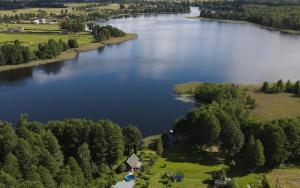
<point x="52" y="68"/>
<point x="14" y="76"/>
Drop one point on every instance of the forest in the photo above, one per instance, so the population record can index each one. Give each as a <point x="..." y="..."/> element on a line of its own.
<point x="280" y="16"/>
<point x="69" y="153"/>
<point x="221" y="119"/>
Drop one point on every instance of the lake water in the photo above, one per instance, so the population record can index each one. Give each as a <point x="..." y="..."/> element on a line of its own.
<point x="132" y="82"/>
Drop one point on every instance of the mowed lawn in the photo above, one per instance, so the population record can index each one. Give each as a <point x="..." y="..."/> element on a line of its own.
<point x="195" y="174"/>
<point x="32" y="40"/>
<point x="285" y="178"/>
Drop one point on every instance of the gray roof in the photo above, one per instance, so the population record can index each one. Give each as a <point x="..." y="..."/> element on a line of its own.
<point x="132" y="160"/>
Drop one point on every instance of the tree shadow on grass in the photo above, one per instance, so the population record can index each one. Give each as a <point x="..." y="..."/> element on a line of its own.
<point x="185" y="155"/>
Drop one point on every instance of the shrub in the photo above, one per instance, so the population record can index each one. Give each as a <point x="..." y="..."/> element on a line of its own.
<point x="72" y="43"/>
<point x="121" y="168"/>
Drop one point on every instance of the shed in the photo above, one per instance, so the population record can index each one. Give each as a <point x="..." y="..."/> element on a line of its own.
<point x="133" y="161"/>
<point x="220" y="183"/>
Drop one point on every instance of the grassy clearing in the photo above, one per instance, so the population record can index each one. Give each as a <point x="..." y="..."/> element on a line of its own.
<point x="287" y="178"/>
<point x="197" y="172"/>
<point x="186" y="88"/>
<point x="274" y="106"/>
<point x="33" y="39"/>
<point x="268" y="106"/>
<point x="32" y="27"/>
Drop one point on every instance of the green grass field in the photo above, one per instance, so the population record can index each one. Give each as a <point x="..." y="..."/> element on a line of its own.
<point x="285" y="178"/>
<point x="32" y="40"/>
<point x="32" y="27"/>
<point x="197" y="172"/>
<point x="268" y="106"/>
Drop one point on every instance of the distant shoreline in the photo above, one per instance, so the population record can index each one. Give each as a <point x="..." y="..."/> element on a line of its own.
<point x="285" y="31"/>
<point x="71" y="53"/>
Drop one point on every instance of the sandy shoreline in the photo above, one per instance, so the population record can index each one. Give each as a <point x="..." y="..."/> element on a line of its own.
<point x="71" y="53"/>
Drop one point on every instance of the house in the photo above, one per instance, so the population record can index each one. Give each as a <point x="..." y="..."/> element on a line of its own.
<point x="43" y="21"/>
<point x="133" y="162"/>
<point x="220" y="183"/>
<point x="36" y="21"/>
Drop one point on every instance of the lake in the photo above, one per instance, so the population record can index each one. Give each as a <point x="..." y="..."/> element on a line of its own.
<point x="132" y="82"/>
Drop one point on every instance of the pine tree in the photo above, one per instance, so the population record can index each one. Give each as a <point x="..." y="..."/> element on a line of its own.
<point x="76" y="172"/>
<point x="297" y="88"/>
<point x="11" y="166"/>
<point x="46" y="177"/>
<point x="258" y="154"/>
<point x="266" y="87"/>
<point x="280" y="86"/>
<point x="289" y="86"/>
<point x="85" y="160"/>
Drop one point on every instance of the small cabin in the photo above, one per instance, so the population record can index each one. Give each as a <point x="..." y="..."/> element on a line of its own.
<point x="134" y="162"/>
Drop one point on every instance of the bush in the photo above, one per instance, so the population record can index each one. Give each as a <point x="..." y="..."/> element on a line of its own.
<point x="72" y="43"/>
<point x="121" y="168"/>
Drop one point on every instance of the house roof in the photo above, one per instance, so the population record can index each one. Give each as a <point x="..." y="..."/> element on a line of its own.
<point x="132" y="160"/>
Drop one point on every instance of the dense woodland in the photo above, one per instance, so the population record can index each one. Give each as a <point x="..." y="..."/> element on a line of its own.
<point x="69" y="153"/>
<point x="221" y="119"/>
<point x="13" y="54"/>
<point x="280" y="15"/>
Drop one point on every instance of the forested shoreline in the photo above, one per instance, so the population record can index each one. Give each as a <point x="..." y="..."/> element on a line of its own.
<point x="68" y="153"/>
<point x="221" y="119"/>
<point x="14" y="54"/>
<point x="280" y="16"/>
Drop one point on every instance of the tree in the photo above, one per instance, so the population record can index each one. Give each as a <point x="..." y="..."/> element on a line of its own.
<point x="266" y="87"/>
<point x="115" y="141"/>
<point x="258" y="154"/>
<point x="231" y="136"/>
<point x="11" y="166"/>
<point x="7" y="180"/>
<point x="65" y="178"/>
<point x="76" y="172"/>
<point x="249" y="148"/>
<point x="46" y="177"/>
<point x="280" y="86"/>
<point x="8" y="139"/>
<point x="297" y="88"/>
<point x="133" y="139"/>
<point x="72" y="43"/>
<point x="85" y="160"/>
<point x="291" y="128"/>
<point x="25" y="156"/>
<point x="159" y="147"/>
<point x="289" y="87"/>
<point x="52" y="145"/>
<point x="274" y="141"/>
<point x="2" y="59"/>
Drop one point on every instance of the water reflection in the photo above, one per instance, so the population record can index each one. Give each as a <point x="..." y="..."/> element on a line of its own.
<point x="132" y="82"/>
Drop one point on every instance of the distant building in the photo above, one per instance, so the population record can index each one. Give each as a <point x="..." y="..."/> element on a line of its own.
<point x="15" y="30"/>
<point x="43" y="21"/>
<point x="36" y="21"/>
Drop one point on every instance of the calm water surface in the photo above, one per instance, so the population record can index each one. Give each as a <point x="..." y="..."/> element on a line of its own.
<point x="132" y="82"/>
